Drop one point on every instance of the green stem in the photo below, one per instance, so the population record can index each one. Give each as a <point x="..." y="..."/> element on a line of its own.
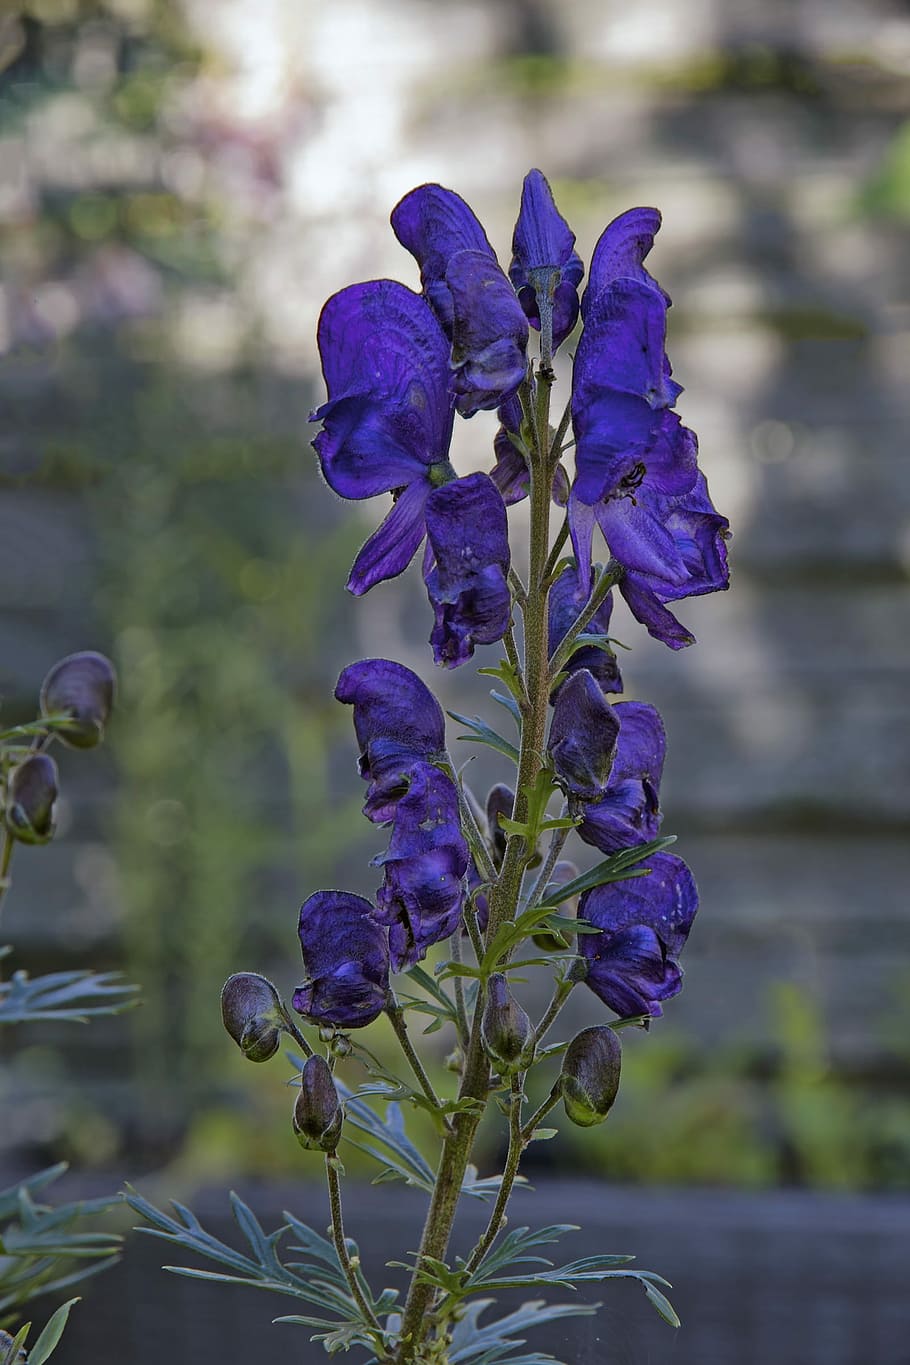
<point x="534" y="1121"/>
<point x="553" y="560"/>
<point x="6" y="855"/>
<point x="560" y="996"/>
<point x="556" y="446"/>
<point x="510" y="1171"/>
<point x="563" y="652"/>
<point x="557" y="843"/>
<point x="396" y="1018"/>
<point x="290" y="1027"/>
<point x="341" y="1249"/>
<point x="461" y="1013"/>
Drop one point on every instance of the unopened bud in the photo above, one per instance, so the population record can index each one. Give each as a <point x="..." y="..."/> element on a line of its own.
<point x="500" y="801"/>
<point x="590" y="1075"/>
<point x="318" y="1114"/>
<point x="31" y="796"/>
<point x="81" y="686"/>
<point x="505" y="1028"/>
<point x="251" y="1011"/>
<point x="455" y="1061"/>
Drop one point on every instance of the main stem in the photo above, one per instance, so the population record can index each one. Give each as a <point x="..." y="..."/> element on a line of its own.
<point x="504" y="897"/>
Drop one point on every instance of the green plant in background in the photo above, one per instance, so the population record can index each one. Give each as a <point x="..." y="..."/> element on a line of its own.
<point x="44" y="1249"/>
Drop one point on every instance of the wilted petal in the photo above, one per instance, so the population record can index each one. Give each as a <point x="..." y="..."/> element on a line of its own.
<point x="629" y="813"/>
<point x="467" y="530"/>
<point x="489" y="333"/>
<point x="566" y="602"/>
<point x="542" y="242"/>
<point x="393" y="545"/>
<point x="645" y="922"/>
<point x="434" y="223"/>
<point x="397" y="720"/>
<point x="390" y="410"/>
<point x="346" y="959"/>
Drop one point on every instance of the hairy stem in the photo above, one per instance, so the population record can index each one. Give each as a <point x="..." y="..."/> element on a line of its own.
<point x="557" y="843"/>
<point x="510" y="1171"/>
<point x="461" y="1013"/>
<point x="560" y="996"/>
<point x="563" y="652"/>
<point x="549" y="1103"/>
<point x="396" y="1018"/>
<point x="341" y="1249"/>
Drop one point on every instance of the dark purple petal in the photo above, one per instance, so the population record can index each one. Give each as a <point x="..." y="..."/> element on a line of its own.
<point x="620" y="386"/>
<point x="645" y="922"/>
<point x="489" y="333"/>
<point x="346" y="959"/>
<point x="542" y="242"/>
<point x="397" y="719"/>
<point x="393" y="545"/>
<point x="434" y="223"/>
<point x="566" y="602"/>
<point x="467" y="530"/>
<point x="620" y="250"/>
<point x="390" y="410"/>
<point x="582" y="738"/>
<point x="511" y="474"/>
<point x="629" y="813"/>
<point x="647" y="608"/>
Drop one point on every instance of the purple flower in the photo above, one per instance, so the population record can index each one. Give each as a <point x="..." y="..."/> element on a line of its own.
<point x="620" y="251"/>
<point x="424" y="868"/>
<point x="346" y="959"/>
<point x="467" y="578"/>
<point x="545" y="264"/>
<point x="644" y="923"/>
<point x="388" y="420"/>
<point x="566" y="602"/>
<point x="629" y="811"/>
<point x="464" y="285"/>
<point x="397" y="721"/>
<point x="582" y="740"/>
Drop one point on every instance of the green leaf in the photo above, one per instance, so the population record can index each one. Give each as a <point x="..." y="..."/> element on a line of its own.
<point x="53" y="1331"/>
<point x="484" y="734"/>
<point x="612" y="869"/>
<point x="75" y="996"/>
<point x="508" y="675"/>
<point x="662" y="1304"/>
<point x="510" y="704"/>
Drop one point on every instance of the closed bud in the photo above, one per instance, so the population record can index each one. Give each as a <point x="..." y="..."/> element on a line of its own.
<point x="500" y="801"/>
<point x="252" y="1015"/>
<point x="505" y="1028"/>
<point x="31" y="796"/>
<point x="590" y="1075"/>
<point x="81" y="686"/>
<point x="318" y="1114"/>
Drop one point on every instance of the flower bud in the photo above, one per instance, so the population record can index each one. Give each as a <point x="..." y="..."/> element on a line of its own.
<point x="30" y="800"/>
<point x="500" y="801"/>
<point x="251" y="1011"/>
<point x="81" y="686"/>
<point x="505" y="1028"/>
<point x="590" y="1075"/>
<point x="317" y="1110"/>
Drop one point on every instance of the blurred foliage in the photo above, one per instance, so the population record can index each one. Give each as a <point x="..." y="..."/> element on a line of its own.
<point x="887" y="193"/>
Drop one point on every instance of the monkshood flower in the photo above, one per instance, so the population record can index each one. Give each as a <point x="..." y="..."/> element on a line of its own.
<point x="545" y="266"/>
<point x="467" y="577"/>
<point x="466" y="288"/>
<point x="644" y="923"/>
<point x="398" y="722"/>
<point x="388" y="420"/>
<point x="638" y="475"/>
<point x="423" y="889"/>
<point x="346" y="959"/>
<point x="629" y="811"/>
<point x="582" y="739"/>
<point x="566" y="602"/>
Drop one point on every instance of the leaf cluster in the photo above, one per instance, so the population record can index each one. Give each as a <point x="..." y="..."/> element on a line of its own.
<point x="44" y="1249"/>
<point x="74" y="996"/>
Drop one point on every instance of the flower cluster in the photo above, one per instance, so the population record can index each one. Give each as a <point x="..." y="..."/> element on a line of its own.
<point x="399" y="367"/>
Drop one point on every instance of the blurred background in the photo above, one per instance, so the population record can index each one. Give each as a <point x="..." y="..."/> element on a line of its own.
<point x="182" y="184"/>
